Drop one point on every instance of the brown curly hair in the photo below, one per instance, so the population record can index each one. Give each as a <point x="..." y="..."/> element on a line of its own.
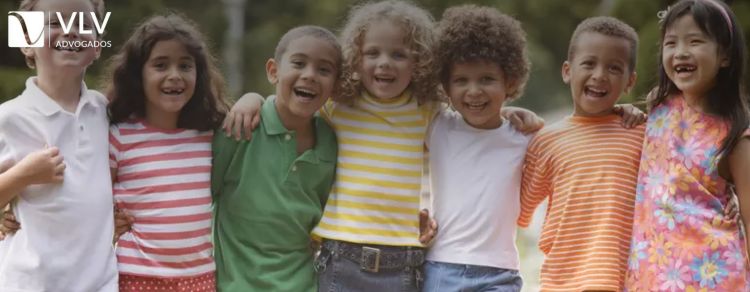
<point x="28" y="5"/>
<point x="608" y="26"/>
<point x="419" y="27"/>
<point x="205" y="109"/>
<point x="470" y="33"/>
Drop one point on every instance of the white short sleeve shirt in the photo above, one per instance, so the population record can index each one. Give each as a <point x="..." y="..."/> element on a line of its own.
<point x="475" y="179"/>
<point x="65" y="240"/>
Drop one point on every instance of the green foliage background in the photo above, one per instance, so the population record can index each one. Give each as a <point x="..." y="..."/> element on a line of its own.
<point x="549" y="24"/>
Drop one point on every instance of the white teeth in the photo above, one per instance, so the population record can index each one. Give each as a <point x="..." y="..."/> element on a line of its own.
<point x="684" y="68"/>
<point x="70" y="49"/>
<point x="475" y="105"/>
<point x="386" y="79"/>
<point x="595" y="91"/>
<point x="303" y="92"/>
<point x="172" y="91"/>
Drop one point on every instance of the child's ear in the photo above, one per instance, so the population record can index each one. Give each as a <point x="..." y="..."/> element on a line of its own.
<point x="566" y="72"/>
<point x="271" y="71"/>
<point x="631" y="82"/>
<point x="28" y="52"/>
<point x="724" y="62"/>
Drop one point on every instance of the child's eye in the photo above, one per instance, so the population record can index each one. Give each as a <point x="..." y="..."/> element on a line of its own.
<point x="186" y="66"/>
<point x="615" y="69"/>
<point x="668" y="43"/>
<point x="459" y="81"/>
<point x="298" y="64"/>
<point x="587" y="64"/>
<point x="399" y="55"/>
<point x="325" y="71"/>
<point x="160" y="65"/>
<point x="371" y="53"/>
<point x="487" y="79"/>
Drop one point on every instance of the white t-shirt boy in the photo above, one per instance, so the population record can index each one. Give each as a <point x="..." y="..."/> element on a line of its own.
<point x="65" y="240"/>
<point x="475" y="179"/>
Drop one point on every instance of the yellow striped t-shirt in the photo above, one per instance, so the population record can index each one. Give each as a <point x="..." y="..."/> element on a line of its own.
<point x="375" y="198"/>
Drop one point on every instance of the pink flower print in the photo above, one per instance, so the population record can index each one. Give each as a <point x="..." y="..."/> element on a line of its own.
<point x="658" y="122"/>
<point x="668" y="213"/>
<point x="734" y="256"/>
<point x="691" y="152"/>
<point x="694" y="209"/>
<point x="717" y="234"/>
<point x="660" y="250"/>
<point x="673" y="278"/>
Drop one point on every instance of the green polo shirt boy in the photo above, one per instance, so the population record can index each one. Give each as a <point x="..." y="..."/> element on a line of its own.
<point x="267" y="199"/>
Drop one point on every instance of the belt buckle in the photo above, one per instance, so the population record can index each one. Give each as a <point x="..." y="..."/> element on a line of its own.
<point x="370" y="259"/>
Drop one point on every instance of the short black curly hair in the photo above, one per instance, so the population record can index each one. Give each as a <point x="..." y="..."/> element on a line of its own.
<point x="470" y="33"/>
<point x="608" y="26"/>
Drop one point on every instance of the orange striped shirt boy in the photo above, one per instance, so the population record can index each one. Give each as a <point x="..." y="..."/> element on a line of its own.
<point x="587" y="167"/>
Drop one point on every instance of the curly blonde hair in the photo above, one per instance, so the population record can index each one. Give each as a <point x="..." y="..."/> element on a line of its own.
<point x="471" y="33"/>
<point x="419" y="27"/>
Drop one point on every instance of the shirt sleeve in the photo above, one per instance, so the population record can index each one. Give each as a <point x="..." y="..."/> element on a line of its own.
<point x="114" y="147"/>
<point x="223" y="150"/>
<point x="535" y="182"/>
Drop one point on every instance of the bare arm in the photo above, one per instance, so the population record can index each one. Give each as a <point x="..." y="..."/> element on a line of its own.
<point x="40" y="167"/>
<point x="739" y="166"/>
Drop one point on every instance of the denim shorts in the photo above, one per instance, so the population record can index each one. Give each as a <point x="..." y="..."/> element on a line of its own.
<point x="343" y="266"/>
<point x="456" y="277"/>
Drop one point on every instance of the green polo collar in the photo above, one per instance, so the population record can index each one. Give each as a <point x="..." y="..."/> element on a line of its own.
<point x="325" y="138"/>
<point x="270" y="117"/>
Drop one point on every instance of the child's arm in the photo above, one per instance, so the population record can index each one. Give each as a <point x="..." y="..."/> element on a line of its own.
<point x="631" y="115"/>
<point x="39" y="167"/>
<point x="535" y="182"/>
<point x="522" y="119"/>
<point x="244" y="116"/>
<point x="739" y="166"/>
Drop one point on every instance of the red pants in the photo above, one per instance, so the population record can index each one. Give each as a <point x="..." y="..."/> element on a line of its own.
<point x="200" y="283"/>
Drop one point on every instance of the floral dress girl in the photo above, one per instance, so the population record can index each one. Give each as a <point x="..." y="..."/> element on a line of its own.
<point x="681" y="241"/>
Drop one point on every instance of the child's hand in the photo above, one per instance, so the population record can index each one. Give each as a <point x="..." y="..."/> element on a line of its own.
<point x="427" y="227"/>
<point x="9" y="225"/>
<point x="523" y="120"/>
<point x="244" y="116"/>
<point x="631" y="115"/>
<point x="123" y="223"/>
<point x="732" y="209"/>
<point x="41" y="167"/>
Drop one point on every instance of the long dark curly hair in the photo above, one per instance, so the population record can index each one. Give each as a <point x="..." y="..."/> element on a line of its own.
<point x="206" y="108"/>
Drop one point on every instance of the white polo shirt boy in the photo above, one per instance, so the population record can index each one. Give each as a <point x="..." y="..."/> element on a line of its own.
<point x="65" y="240"/>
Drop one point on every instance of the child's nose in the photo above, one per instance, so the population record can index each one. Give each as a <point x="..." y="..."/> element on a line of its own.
<point x="308" y="73"/>
<point x="384" y="61"/>
<point x="599" y="73"/>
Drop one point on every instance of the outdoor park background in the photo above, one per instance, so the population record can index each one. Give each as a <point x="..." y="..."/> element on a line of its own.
<point x="243" y="34"/>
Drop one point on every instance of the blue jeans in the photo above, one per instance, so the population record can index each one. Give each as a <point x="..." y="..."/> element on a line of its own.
<point x="456" y="277"/>
<point x="340" y="269"/>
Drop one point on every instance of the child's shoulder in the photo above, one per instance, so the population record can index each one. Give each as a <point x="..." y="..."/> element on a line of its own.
<point x="97" y="97"/>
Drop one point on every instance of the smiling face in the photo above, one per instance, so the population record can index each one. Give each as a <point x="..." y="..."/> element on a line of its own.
<point x="168" y="79"/>
<point x="387" y="63"/>
<point x="64" y="59"/>
<point x="478" y="90"/>
<point x="598" y="73"/>
<point x="690" y="58"/>
<point x="304" y="77"/>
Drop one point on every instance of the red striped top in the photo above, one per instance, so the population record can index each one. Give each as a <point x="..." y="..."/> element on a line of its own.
<point x="588" y="169"/>
<point x="163" y="180"/>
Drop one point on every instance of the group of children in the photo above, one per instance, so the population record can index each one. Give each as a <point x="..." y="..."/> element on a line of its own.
<point x="326" y="194"/>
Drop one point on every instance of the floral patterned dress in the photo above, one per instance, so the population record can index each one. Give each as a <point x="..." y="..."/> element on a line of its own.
<point x="680" y="239"/>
